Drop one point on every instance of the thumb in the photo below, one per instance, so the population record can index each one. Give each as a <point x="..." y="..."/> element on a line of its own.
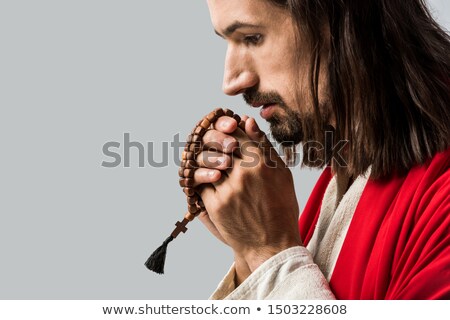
<point x="254" y="133"/>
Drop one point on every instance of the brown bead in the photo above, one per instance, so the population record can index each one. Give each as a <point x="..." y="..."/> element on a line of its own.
<point x="188" y="155"/>
<point x="200" y="203"/>
<point x="200" y="131"/>
<point x="193" y="209"/>
<point x="181" y="172"/>
<point x="190" y="164"/>
<point x="197" y="139"/>
<point x="189" y="216"/>
<point x="189" y="138"/>
<point x="192" y="200"/>
<point x="205" y="124"/>
<point x="188" y="173"/>
<point x="242" y="125"/>
<point x="228" y="112"/>
<point x="211" y="117"/>
<point x="188" y="182"/>
<point x="189" y="192"/>
<point x="237" y="118"/>
<point x="219" y="112"/>
<point x="187" y="147"/>
<point x="195" y="148"/>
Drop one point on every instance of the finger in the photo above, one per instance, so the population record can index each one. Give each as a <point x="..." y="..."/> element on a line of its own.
<point x="256" y="134"/>
<point x="244" y="118"/>
<point x="202" y="175"/>
<point x="219" y="141"/>
<point x="251" y="141"/>
<point x="214" y="160"/>
<point x="226" y="124"/>
<point x="253" y="131"/>
<point x="205" y="191"/>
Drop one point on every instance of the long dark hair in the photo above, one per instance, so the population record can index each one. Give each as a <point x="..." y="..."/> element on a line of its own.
<point x="388" y="75"/>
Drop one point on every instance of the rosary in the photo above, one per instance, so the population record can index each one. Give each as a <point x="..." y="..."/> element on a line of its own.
<point x="186" y="172"/>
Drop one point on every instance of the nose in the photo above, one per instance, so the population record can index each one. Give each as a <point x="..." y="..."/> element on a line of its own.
<point x="239" y="73"/>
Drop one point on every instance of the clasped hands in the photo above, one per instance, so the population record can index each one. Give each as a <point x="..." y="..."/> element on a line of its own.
<point x="248" y="192"/>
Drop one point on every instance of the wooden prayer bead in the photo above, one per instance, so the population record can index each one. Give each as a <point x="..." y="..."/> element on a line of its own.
<point x="189" y="192"/>
<point x="181" y="172"/>
<point x="195" y="148"/>
<point x="237" y="118"/>
<point x="228" y="112"/>
<point x="242" y="125"/>
<point x="188" y="173"/>
<point x="189" y="216"/>
<point x="188" y="155"/>
<point x="189" y="164"/>
<point x="200" y="203"/>
<point x="193" y="209"/>
<point x="192" y="200"/>
<point x="189" y="138"/>
<point x="211" y="117"/>
<point x="200" y="131"/>
<point x="188" y="182"/>
<point x="219" y="112"/>
<point x="197" y="139"/>
<point x="205" y="124"/>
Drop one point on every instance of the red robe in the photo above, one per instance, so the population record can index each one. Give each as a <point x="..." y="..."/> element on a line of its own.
<point x="398" y="242"/>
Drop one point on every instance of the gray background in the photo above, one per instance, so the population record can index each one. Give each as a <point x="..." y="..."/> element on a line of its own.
<point x="73" y="76"/>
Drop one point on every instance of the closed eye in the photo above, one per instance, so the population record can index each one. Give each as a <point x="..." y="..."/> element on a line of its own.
<point x="253" y="39"/>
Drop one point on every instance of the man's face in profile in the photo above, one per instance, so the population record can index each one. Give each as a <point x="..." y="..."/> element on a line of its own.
<point x="267" y="65"/>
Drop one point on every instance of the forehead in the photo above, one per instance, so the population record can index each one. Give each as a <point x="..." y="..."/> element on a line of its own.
<point x="258" y="12"/>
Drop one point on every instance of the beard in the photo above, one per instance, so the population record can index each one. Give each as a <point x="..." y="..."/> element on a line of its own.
<point x="287" y="130"/>
<point x="295" y="127"/>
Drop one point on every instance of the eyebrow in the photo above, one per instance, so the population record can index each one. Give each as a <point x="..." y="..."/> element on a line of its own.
<point x="235" y="26"/>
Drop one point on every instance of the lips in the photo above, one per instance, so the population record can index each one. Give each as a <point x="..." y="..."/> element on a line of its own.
<point x="267" y="111"/>
<point x="267" y="108"/>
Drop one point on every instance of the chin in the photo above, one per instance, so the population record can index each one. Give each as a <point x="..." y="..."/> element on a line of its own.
<point x="286" y="130"/>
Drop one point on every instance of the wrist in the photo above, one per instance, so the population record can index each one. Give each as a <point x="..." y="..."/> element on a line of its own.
<point x="255" y="257"/>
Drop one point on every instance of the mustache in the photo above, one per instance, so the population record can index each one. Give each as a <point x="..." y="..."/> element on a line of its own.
<point x="252" y="96"/>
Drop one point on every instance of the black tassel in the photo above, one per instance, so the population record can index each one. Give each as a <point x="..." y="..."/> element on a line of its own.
<point x="158" y="258"/>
